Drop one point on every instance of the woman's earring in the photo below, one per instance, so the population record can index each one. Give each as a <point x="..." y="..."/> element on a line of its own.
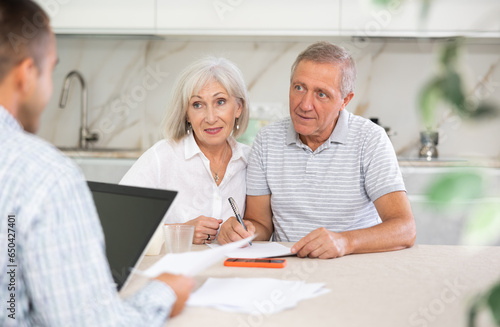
<point x="237" y="125"/>
<point x="188" y="128"/>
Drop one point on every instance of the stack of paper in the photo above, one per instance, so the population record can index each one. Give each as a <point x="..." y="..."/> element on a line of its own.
<point x="254" y="296"/>
<point x="258" y="250"/>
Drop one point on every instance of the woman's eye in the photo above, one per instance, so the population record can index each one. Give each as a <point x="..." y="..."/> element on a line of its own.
<point x="196" y="105"/>
<point x="220" y="102"/>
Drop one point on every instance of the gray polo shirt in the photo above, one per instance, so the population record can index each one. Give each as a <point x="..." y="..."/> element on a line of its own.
<point x="333" y="187"/>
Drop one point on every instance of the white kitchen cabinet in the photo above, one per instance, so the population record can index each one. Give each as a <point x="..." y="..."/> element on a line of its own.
<point x="101" y="17"/>
<point x="479" y="18"/>
<point x="104" y="170"/>
<point x="250" y="17"/>
<point x="448" y="224"/>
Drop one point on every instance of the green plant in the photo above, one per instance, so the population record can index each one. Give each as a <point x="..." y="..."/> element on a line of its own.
<point x="447" y="87"/>
<point x="482" y="227"/>
<point x="491" y="300"/>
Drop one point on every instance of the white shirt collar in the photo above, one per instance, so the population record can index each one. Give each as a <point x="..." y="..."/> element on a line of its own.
<point x="191" y="148"/>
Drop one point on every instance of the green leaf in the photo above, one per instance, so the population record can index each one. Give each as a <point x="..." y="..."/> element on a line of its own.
<point x="450" y="52"/>
<point x="455" y="187"/>
<point x="491" y="300"/>
<point x="483" y="225"/>
<point x="474" y="310"/>
<point x="383" y="3"/>
<point x="424" y="11"/>
<point x="494" y="302"/>
<point x="452" y="90"/>
<point x="428" y="100"/>
<point x="484" y="110"/>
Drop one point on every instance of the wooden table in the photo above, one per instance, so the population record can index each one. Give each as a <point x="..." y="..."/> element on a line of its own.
<point x="427" y="285"/>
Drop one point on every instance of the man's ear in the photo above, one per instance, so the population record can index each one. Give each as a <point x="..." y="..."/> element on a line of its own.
<point x="347" y="99"/>
<point x="26" y="74"/>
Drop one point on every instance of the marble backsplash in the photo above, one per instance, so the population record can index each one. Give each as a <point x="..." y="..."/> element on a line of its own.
<point x="129" y="80"/>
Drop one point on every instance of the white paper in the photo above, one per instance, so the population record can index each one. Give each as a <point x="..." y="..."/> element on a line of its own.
<point x="191" y="263"/>
<point x="258" y="250"/>
<point x="253" y="295"/>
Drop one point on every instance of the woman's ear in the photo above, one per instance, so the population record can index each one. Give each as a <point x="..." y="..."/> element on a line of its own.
<point x="239" y="111"/>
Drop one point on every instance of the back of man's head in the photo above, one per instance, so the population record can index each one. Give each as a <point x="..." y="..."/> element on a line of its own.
<point x="24" y="33"/>
<point x="328" y="53"/>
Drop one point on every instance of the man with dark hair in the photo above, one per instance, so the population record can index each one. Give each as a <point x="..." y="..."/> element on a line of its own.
<point x="324" y="178"/>
<point x="53" y="246"/>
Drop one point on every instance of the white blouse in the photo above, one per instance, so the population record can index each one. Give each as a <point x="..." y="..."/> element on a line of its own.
<point x="182" y="167"/>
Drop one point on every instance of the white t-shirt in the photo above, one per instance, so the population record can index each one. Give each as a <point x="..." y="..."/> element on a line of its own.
<point x="184" y="168"/>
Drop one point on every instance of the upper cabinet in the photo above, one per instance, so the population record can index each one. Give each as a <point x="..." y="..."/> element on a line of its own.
<point x="251" y="17"/>
<point x="101" y="17"/>
<point x="479" y="18"/>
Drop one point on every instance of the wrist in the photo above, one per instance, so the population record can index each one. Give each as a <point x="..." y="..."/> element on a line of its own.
<point x="348" y="244"/>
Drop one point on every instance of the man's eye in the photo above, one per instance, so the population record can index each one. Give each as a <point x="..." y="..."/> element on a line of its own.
<point x="298" y="88"/>
<point x="321" y="95"/>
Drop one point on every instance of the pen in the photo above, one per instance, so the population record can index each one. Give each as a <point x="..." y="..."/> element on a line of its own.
<point x="237" y="213"/>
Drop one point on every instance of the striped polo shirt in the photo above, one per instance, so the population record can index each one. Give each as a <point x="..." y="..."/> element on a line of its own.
<point x="332" y="187"/>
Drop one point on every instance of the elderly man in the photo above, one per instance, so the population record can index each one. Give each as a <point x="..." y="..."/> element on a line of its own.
<point x="55" y="270"/>
<point x="324" y="178"/>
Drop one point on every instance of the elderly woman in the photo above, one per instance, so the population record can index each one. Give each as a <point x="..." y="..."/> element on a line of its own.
<point x="199" y="156"/>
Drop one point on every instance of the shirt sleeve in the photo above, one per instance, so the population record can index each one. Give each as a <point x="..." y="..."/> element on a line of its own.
<point x="381" y="169"/>
<point x="66" y="271"/>
<point x="257" y="168"/>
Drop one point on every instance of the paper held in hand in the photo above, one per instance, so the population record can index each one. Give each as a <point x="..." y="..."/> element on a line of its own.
<point x="191" y="263"/>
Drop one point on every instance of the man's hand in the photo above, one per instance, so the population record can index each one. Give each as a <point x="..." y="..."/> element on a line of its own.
<point x="182" y="287"/>
<point x="322" y="244"/>
<point x="203" y="227"/>
<point x="231" y="231"/>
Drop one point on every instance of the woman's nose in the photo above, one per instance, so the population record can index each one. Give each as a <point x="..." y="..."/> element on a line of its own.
<point x="211" y="116"/>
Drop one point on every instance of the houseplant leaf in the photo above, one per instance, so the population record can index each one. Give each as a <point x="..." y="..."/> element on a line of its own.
<point x="455" y="187"/>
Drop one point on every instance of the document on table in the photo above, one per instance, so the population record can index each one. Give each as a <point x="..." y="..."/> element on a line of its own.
<point x="258" y="250"/>
<point x="254" y="295"/>
<point x="191" y="263"/>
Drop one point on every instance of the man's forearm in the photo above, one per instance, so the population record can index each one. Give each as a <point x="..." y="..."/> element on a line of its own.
<point x="263" y="233"/>
<point x="392" y="234"/>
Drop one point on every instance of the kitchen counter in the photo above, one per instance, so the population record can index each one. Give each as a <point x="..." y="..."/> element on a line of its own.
<point x="403" y="161"/>
<point x="103" y="153"/>
<point x="450" y="162"/>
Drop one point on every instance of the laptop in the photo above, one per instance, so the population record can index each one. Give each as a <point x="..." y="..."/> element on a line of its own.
<point x="129" y="217"/>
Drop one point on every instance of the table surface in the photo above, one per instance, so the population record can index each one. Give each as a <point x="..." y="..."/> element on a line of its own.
<point x="426" y="285"/>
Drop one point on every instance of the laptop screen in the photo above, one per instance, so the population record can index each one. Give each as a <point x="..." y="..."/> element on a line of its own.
<point x="129" y="217"/>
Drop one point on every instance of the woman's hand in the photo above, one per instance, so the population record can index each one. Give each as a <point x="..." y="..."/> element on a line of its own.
<point x="232" y="231"/>
<point x="205" y="229"/>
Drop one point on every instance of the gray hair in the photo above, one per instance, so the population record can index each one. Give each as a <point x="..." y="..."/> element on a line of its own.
<point x="192" y="79"/>
<point x="325" y="52"/>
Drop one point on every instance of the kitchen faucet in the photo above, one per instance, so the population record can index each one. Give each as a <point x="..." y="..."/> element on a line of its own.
<point x="85" y="136"/>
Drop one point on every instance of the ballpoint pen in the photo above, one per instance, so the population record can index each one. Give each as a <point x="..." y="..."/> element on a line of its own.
<point x="237" y="213"/>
